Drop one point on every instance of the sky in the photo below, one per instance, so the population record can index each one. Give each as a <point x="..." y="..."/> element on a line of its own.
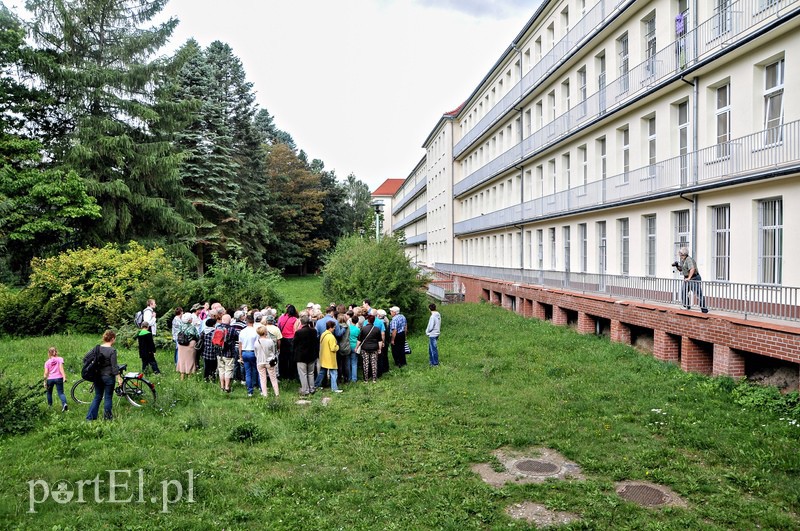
<point x="359" y="84"/>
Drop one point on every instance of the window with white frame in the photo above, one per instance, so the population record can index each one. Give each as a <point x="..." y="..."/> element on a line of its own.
<point x="625" y="142"/>
<point x="540" y="180"/>
<point x="582" y="90"/>
<point x="584" y="162"/>
<point x="602" y="246"/>
<point x="651" y="146"/>
<point x="622" y="53"/>
<point x="565" y="94"/>
<point x="650" y="45"/>
<point x="773" y="102"/>
<point x="528" y="249"/>
<point x="552" y="231"/>
<point x="721" y="242"/>
<point x="551" y="166"/>
<point x="584" y="242"/>
<point x="683" y="140"/>
<point x="650" y="245"/>
<point x="539" y="249"/>
<point x="723" y="120"/>
<point x="566" y="236"/>
<point x="601" y="148"/>
<point x="722" y="17"/>
<point x="624" y="246"/>
<point x="539" y="115"/>
<point x="565" y="167"/>
<point x="681" y="231"/>
<point x="770" y="241"/>
<point x="565" y="19"/>
<point x="551" y="34"/>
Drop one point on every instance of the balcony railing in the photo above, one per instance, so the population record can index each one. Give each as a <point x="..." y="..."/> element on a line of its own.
<point x="663" y="67"/>
<point x="414" y="216"/>
<point x="411" y="195"/>
<point x="591" y="23"/>
<point x="730" y="161"/>
<point x="757" y="300"/>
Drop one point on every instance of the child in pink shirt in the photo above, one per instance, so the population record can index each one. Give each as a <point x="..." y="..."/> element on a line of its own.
<point x="54" y="375"/>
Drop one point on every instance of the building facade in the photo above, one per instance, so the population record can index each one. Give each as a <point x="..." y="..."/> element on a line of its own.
<point x="611" y="133"/>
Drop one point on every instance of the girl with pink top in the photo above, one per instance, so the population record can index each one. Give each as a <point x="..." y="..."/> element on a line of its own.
<point x="54" y="375"/>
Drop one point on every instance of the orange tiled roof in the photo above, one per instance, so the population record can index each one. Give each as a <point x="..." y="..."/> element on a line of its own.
<point x="389" y="187"/>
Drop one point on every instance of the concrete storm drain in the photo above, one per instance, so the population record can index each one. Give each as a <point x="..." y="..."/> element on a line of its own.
<point x="535" y="467"/>
<point x="648" y="494"/>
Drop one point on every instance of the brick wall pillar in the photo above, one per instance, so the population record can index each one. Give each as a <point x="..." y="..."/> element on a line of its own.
<point x="586" y="323"/>
<point x="728" y="362"/>
<point x="559" y="316"/>
<point x="666" y="347"/>
<point x="538" y="311"/>
<point x="694" y="358"/>
<point x="620" y="332"/>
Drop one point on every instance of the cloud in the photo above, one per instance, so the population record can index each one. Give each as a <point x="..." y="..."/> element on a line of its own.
<point x="495" y="9"/>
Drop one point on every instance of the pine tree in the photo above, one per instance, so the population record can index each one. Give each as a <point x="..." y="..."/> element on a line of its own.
<point x="99" y="67"/>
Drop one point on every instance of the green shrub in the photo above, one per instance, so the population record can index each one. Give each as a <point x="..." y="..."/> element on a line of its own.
<point x="233" y="283"/>
<point x="20" y="406"/>
<point x="361" y="268"/>
<point x="247" y="432"/>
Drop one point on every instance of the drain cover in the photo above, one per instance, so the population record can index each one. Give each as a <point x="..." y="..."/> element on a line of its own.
<point x="533" y="467"/>
<point x="643" y="495"/>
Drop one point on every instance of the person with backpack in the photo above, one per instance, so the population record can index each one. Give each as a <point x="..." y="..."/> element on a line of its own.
<point x="207" y="352"/>
<point x="147" y="349"/>
<point x="224" y="343"/>
<point x="176" y="326"/>
<point x="147" y="315"/>
<point x="102" y="362"/>
<point x="187" y="337"/>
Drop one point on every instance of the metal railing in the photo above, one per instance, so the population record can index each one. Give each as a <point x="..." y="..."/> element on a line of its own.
<point x="696" y="45"/>
<point x="773" y="149"/>
<point x="757" y="300"/>
<point x="411" y="195"/>
<point x="411" y="218"/>
<point x="585" y="28"/>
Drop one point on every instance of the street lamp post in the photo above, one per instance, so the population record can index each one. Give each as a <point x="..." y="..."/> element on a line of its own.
<point x="378" y="206"/>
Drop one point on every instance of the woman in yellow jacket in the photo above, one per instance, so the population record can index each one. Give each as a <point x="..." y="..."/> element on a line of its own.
<point x="327" y="356"/>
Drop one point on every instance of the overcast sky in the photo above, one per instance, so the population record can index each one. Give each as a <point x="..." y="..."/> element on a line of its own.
<point x="358" y="84"/>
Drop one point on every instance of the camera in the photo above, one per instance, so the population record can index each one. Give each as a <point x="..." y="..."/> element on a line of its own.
<point x="676" y="265"/>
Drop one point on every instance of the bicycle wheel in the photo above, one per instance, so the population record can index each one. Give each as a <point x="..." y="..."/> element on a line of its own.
<point x="139" y="392"/>
<point x="83" y="392"/>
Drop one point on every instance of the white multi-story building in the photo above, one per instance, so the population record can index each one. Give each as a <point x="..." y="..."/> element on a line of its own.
<point x="609" y="134"/>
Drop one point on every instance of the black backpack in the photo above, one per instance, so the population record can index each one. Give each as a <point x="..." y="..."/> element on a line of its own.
<point x="183" y="338"/>
<point x="93" y="363"/>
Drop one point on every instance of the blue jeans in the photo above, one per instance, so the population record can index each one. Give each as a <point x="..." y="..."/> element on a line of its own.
<point x="250" y="370"/>
<point x="696" y="287"/>
<point x="103" y="390"/>
<point x="433" y="350"/>
<point x="59" y="385"/>
<point x="353" y="366"/>
<point x="321" y="377"/>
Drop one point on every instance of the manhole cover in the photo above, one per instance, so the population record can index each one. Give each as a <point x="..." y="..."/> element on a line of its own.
<point x="533" y="467"/>
<point x="643" y="495"/>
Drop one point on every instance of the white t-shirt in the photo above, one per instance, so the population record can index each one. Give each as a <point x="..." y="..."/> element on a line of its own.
<point x="247" y="338"/>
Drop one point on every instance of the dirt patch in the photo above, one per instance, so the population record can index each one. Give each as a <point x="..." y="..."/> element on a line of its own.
<point x="786" y="378"/>
<point x="534" y="465"/>
<point x="539" y="514"/>
<point x="646" y="494"/>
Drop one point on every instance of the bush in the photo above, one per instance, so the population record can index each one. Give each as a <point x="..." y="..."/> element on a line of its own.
<point x="361" y="268"/>
<point x="233" y="283"/>
<point x="20" y="407"/>
<point x="91" y="289"/>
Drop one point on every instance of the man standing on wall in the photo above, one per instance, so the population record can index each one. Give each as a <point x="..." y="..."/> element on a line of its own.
<point x="691" y="280"/>
<point x="432" y="331"/>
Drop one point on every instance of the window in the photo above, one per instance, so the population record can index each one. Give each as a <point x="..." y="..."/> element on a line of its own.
<point x="566" y="249"/>
<point x="625" y="140"/>
<point x="528" y="249"/>
<point x="723" y="121"/>
<point x="622" y="52"/>
<point x="650" y="245"/>
<point x="683" y="140"/>
<point x="624" y="246"/>
<point x="722" y="17"/>
<point x="582" y="91"/>
<point x="540" y="249"/>
<point x="651" y="147"/>
<point x="770" y="241"/>
<point x="551" y="34"/>
<point x="681" y="232"/>
<point x="551" y="101"/>
<point x="721" y="242"/>
<point x="650" y="46"/>
<point x="601" y="81"/>
<point x="552" y="231"/>
<point x="584" y="242"/>
<point x="601" y="247"/>
<point x="565" y="20"/>
<point x="565" y="163"/>
<point x="773" y="103"/>
<point x="539" y="115"/>
<point x="601" y="147"/>
<point x="553" y="178"/>
<point x="582" y="158"/>
<point x="565" y="93"/>
<point x="540" y="180"/>
<point x="537" y="50"/>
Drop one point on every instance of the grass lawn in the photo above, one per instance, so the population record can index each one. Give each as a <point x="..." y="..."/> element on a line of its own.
<point x="398" y="454"/>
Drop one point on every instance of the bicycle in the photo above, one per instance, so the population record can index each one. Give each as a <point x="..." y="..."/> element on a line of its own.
<point x="134" y="387"/>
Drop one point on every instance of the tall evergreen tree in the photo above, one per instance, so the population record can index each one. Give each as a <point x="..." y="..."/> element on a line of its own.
<point x="99" y="64"/>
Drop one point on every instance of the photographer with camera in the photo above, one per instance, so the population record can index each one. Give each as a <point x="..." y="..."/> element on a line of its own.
<point x="691" y="279"/>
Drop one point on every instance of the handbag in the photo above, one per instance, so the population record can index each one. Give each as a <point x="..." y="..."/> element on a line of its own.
<point x="407" y="349"/>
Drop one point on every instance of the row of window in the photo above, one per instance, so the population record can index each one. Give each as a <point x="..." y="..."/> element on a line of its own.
<point x="502" y="249"/>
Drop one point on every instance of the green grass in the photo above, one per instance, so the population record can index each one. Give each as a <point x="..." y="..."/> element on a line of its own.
<point x="302" y="290"/>
<point x="397" y="454"/>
